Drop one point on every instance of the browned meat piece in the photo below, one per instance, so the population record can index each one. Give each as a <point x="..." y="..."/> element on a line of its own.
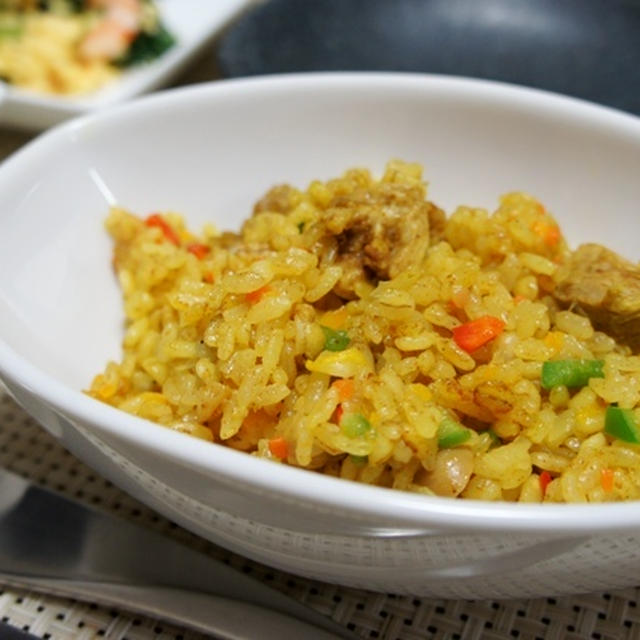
<point x="277" y="199"/>
<point x="380" y="232"/>
<point x="437" y="224"/>
<point x="605" y="287"/>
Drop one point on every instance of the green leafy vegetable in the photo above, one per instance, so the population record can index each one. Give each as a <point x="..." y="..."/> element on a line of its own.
<point x="76" y="5"/>
<point x="10" y="31"/>
<point x="147" y="47"/>
<point x="11" y="26"/>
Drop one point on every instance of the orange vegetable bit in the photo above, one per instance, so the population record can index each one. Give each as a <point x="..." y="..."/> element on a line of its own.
<point x="549" y="232"/>
<point x="338" y="413"/>
<point x="208" y="277"/>
<point x="156" y="220"/>
<point x="335" y="319"/>
<point x="279" y="448"/>
<point x="475" y="333"/>
<point x="552" y="236"/>
<point x="545" y="479"/>
<point x="345" y="388"/>
<point x="200" y="251"/>
<point x="606" y="479"/>
<point x="255" y="420"/>
<point x="255" y="296"/>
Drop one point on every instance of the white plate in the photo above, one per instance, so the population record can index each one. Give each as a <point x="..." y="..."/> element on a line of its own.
<point x="192" y="22"/>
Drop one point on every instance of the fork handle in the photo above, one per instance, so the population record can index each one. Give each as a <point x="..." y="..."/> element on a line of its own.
<point x="223" y="618"/>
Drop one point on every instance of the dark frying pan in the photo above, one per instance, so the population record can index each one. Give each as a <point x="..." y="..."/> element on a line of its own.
<point x="585" y="48"/>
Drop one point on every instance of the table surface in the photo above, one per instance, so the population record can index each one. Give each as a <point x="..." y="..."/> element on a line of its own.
<point x="27" y="449"/>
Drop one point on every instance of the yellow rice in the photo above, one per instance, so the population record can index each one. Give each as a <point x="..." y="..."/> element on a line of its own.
<point x="44" y="58"/>
<point x="228" y="346"/>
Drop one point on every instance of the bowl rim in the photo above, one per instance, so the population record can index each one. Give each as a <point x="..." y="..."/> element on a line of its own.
<point x="363" y="502"/>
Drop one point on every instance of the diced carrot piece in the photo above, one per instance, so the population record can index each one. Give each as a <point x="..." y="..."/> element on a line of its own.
<point x="200" y="251"/>
<point x="345" y="388"/>
<point x="279" y="448"/>
<point x="606" y="479"/>
<point x="338" y="413"/>
<point x="254" y="419"/>
<point x="255" y="296"/>
<point x="549" y="232"/>
<point x="155" y="220"/>
<point x="552" y="236"/>
<point x="208" y="277"/>
<point x="545" y="479"/>
<point x="472" y="335"/>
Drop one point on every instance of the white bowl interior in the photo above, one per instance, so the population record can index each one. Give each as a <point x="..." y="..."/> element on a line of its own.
<point x="211" y="152"/>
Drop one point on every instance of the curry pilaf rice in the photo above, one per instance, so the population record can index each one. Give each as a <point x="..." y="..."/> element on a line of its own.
<point x="355" y="330"/>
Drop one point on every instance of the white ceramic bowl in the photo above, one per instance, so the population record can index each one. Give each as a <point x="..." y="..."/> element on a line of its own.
<point x="209" y="152"/>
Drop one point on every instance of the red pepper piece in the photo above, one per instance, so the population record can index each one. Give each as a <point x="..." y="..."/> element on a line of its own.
<point x="155" y="220"/>
<point x="200" y="251"/>
<point x="545" y="479"/>
<point x="279" y="448"/>
<point x="475" y="333"/>
<point x="255" y="296"/>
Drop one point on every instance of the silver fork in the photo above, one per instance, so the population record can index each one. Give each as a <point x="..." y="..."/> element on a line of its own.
<point x="53" y="544"/>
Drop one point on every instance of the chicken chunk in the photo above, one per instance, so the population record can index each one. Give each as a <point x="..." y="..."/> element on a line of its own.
<point x="381" y="232"/>
<point x="278" y="199"/>
<point x="606" y="288"/>
<point x="373" y="230"/>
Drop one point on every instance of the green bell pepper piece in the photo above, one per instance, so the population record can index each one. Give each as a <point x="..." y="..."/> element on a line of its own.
<point x="570" y="373"/>
<point x="621" y="424"/>
<point x="452" y="433"/>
